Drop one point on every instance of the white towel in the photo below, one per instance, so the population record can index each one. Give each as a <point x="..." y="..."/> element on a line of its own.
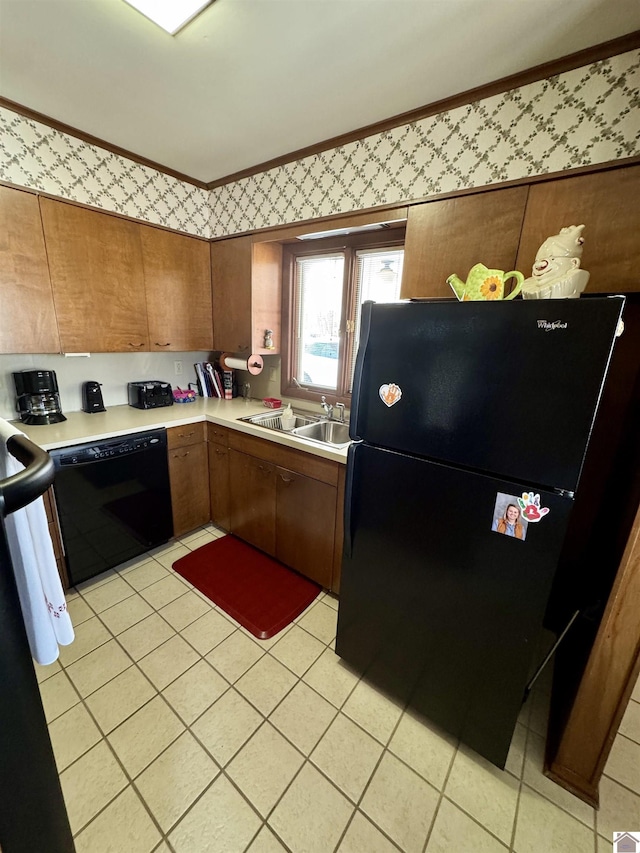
<point x="44" y="608"/>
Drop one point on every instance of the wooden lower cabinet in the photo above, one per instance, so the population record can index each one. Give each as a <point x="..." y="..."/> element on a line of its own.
<point x="305" y="517"/>
<point x="282" y="511"/>
<point x="253" y="500"/>
<point x="189" y="478"/>
<point x="219" y="497"/>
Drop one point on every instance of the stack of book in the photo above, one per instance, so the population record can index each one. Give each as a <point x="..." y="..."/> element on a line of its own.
<point x="212" y="381"/>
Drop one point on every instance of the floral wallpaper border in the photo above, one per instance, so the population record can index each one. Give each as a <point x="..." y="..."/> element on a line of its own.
<point x="587" y="116"/>
<point x="36" y="156"/>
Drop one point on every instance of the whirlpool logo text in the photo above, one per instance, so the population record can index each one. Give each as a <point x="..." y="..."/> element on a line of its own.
<point x="552" y="325"/>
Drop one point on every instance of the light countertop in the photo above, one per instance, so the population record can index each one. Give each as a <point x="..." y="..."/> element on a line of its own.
<point x="120" y="420"/>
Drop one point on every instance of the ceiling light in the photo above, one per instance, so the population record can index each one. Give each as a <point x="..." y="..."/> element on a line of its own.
<point x="386" y="274"/>
<point x="171" y="15"/>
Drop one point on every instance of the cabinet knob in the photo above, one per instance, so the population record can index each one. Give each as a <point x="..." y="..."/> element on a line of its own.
<point x="242" y="347"/>
<point x="185" y="434"/>
<point x="221" y="452"/>
<point x="136" y="345"/>
<point x="181" y="455"/>
<point x="162" y="345"/>
<point x="286" y="479"/>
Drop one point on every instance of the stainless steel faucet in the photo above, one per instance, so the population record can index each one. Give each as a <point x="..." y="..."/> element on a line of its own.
<point x="328" y="408"/>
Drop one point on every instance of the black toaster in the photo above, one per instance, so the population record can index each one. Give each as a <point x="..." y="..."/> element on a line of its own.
<point x="150" y="395"/>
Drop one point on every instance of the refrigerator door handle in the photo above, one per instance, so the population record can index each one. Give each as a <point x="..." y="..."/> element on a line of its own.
<point x="20" y="489"/>
<point x="365" y="325"/>
<point x="348" y="496"/>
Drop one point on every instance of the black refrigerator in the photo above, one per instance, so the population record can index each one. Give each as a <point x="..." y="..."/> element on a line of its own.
<point x="471" y="422"/>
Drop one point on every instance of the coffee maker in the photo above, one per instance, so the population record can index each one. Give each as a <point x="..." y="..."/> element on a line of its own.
<point x="38" y="398"/>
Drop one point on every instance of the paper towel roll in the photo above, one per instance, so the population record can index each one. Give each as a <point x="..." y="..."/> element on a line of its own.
<point x="253" y="364"/>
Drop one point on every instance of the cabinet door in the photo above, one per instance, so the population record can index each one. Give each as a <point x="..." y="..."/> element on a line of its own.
<point x="95" y="262"/>
<point x="450" y="236"/>
<point x="231" y="288"/>
<point x="305" y="525"/>
<point x="219" y="495"/>
<point x="266" y="296"/>
<point x="177" y="277"/>
<point x="607" y="204"/>
<point x="253" y="500"/>
<point x="28" y="321"/>
<point x="247" y="284"/>
<point x="188" y="473"/>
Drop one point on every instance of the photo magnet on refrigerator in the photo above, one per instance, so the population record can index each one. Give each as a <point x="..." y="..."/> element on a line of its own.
<point x="390" y="394"/>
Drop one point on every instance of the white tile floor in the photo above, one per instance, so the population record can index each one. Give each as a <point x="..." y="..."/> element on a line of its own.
<point x="176" y="730"/>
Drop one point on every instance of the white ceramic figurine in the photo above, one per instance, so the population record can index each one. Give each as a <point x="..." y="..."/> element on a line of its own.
<point x="556" y="272"/>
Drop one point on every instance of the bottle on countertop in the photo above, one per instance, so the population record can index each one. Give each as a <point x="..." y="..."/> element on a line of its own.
<point x="288" y="419"/>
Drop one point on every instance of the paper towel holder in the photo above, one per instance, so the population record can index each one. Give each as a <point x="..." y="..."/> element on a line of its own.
<point x="252" y="363"/>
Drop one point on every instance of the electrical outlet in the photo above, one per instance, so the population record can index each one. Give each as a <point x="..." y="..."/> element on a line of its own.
<point x="272" y="374"/>
<point x="177" y="366"/>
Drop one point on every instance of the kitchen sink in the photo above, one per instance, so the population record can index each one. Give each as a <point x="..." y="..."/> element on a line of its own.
<point x="273" y="419"/>
<point x="328" y="432"/>
<point x="307" y="425"/>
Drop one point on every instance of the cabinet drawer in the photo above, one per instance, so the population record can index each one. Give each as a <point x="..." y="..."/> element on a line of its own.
<point x="218" y="434"/>
<point x="181" y="436"/>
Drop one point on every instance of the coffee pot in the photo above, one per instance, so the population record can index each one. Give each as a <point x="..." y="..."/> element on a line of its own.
<point x="38" y="400"/>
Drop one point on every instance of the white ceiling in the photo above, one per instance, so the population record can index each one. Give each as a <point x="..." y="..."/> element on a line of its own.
<point x="251" y="80"/>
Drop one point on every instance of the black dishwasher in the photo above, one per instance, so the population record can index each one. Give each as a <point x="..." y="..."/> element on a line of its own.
<point x="113" y="500"/>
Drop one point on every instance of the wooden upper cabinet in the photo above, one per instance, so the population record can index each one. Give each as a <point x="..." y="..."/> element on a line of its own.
<point x="95" y="261"/>
<point x="27" y="319"/>
<point x="450" y="236"/>
<point x="247" y="285"/>
<point x="606" y="203"/>
<point x="177" y="277"/>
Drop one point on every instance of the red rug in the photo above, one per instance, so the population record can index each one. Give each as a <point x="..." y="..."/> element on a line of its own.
<point x="258" y="592"/>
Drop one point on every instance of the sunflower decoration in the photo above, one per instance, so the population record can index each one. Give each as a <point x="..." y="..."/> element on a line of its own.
<point x="491" y="287"/>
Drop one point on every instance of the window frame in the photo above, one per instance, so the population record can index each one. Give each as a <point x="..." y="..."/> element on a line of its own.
<point x="391" y="237"/>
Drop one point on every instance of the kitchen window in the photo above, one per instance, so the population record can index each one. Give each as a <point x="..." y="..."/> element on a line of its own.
<point x="326" y="282"/>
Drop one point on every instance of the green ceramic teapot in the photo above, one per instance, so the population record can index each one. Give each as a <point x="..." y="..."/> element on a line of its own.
<point x="483" y="283"/>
